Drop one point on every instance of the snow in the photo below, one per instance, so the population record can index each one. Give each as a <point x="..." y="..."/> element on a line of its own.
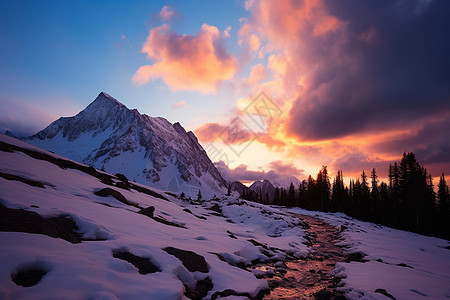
<point x="424" y="269"/>
<point x="107" y="135"/>
<point x="88" y="269"/>
<point x="406" y="265"/>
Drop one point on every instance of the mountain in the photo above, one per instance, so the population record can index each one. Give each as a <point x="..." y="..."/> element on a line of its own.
<point x="150" y="150"/>
<point x="264" y="188"/>
<point x="285" y="181"/>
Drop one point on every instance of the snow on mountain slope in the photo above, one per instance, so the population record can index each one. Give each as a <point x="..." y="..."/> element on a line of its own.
<point x="285" y="182"/>
<point x="39" y="184"/>
<point x="107" y="135"/>
<point x="404" y="264"/>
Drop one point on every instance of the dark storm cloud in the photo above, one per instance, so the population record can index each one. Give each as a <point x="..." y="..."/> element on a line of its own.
<point x="387" y="67"/>
<point x="430" y="144"/>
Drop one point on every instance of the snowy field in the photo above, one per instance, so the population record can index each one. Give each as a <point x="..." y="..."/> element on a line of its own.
<point x="407" y="265"/>
<point x="225" y="233"/>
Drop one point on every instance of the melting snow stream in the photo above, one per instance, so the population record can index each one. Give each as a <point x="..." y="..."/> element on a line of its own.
<point x="307" y="277"/>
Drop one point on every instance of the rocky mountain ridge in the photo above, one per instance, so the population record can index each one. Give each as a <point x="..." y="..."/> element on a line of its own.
<point x="150" y="150"/>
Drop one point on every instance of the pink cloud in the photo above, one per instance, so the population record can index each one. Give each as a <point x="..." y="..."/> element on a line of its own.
<point x="233" y="133"/>
<point x="166" y="13"/>
<point x="277" y="171"/>
<point x="186" y="62"/>
<point x="210" y="132"/>
<point x="286" y="168"/>
<point x="179" y="104"/>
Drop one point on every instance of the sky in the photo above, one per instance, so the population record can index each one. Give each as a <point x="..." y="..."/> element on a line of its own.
<point x="270" y="88"/>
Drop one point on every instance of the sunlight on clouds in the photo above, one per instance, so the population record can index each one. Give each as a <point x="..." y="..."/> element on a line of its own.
<point x="185" y="62"/>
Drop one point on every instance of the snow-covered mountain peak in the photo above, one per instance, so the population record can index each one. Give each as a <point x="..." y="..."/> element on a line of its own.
<point x="150" y="150"/>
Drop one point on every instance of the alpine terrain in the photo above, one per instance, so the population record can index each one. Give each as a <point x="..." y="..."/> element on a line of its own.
<point x="150" y="150"/>
<point x="69" y="231"/>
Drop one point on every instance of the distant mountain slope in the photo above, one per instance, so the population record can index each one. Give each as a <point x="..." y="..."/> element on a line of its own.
<point x="107" y="135"/>
<point x="265" y="189"/>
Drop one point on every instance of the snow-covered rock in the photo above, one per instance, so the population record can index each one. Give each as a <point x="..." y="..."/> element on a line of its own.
<point x="150" y="150"/>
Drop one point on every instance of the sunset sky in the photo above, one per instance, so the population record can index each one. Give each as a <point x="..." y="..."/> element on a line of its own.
<point x="271" y="88"/>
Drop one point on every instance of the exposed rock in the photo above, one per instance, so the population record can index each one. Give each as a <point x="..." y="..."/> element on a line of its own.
<point x="191" y="260"/>
<point x="171" y="194"/>
<point x="143" y="264"/>
<point x="149" y="211"/>
<point x="201" y="289"/>
<point x="255" y="243"/>
<point x="123" y="185"/>
<point x="404" y="265"/>
<point x="356" y="256"/>
<point x="62" y="163"/>
<point x="327" y="295"/>
<point x="384" y="292"/>
<point x="122" y="177"/>
<point x="29" y="274"/>
<point x="149" y="192"/>
<point x="231" y="235"/>
<point x="116" y="194"/>
<point x="230" y="292"/>
<point x="216" y="208"/>
<point x="166" y="222"/>
<point x="21" y="179"/>
<point x="20" y="220"/>
<point x="227" y="293"/>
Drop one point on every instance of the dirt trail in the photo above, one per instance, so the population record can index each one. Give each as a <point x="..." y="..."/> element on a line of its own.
<point x="308" y="278"/>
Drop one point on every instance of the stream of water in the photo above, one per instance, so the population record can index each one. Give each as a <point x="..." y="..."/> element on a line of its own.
<point x="308" y="278"/>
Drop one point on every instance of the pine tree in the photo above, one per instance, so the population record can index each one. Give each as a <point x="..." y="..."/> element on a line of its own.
<point x="323" y="189"/>
<point x="291" y="195"/>
<point x="283" y="197"/>
<point x="302" y="193"/>
<point x="311" y="193"/>
<point x="374" y="198"/>
<point x="393" y="202"/>
<point x="339" y="194"/>
<point x="364" y="197"/>
<point x="443" y="207"/>
<point x="199" y="195"/>
<point x="384" y="208"/>
<point x="276" y="199"/>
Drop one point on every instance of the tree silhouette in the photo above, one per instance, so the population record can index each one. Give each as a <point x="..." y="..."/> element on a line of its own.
<point x="443" y="207"/>
<point x="291" y="195"/>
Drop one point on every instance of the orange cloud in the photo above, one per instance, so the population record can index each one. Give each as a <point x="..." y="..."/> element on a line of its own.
<point x="186" y="62"/>
<point x="230" y="134"/>
<point x="258" y="73"/>
<point x="285" y="20"/>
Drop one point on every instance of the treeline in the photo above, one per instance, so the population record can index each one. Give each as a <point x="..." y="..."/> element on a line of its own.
<point x="408" y="200"/>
